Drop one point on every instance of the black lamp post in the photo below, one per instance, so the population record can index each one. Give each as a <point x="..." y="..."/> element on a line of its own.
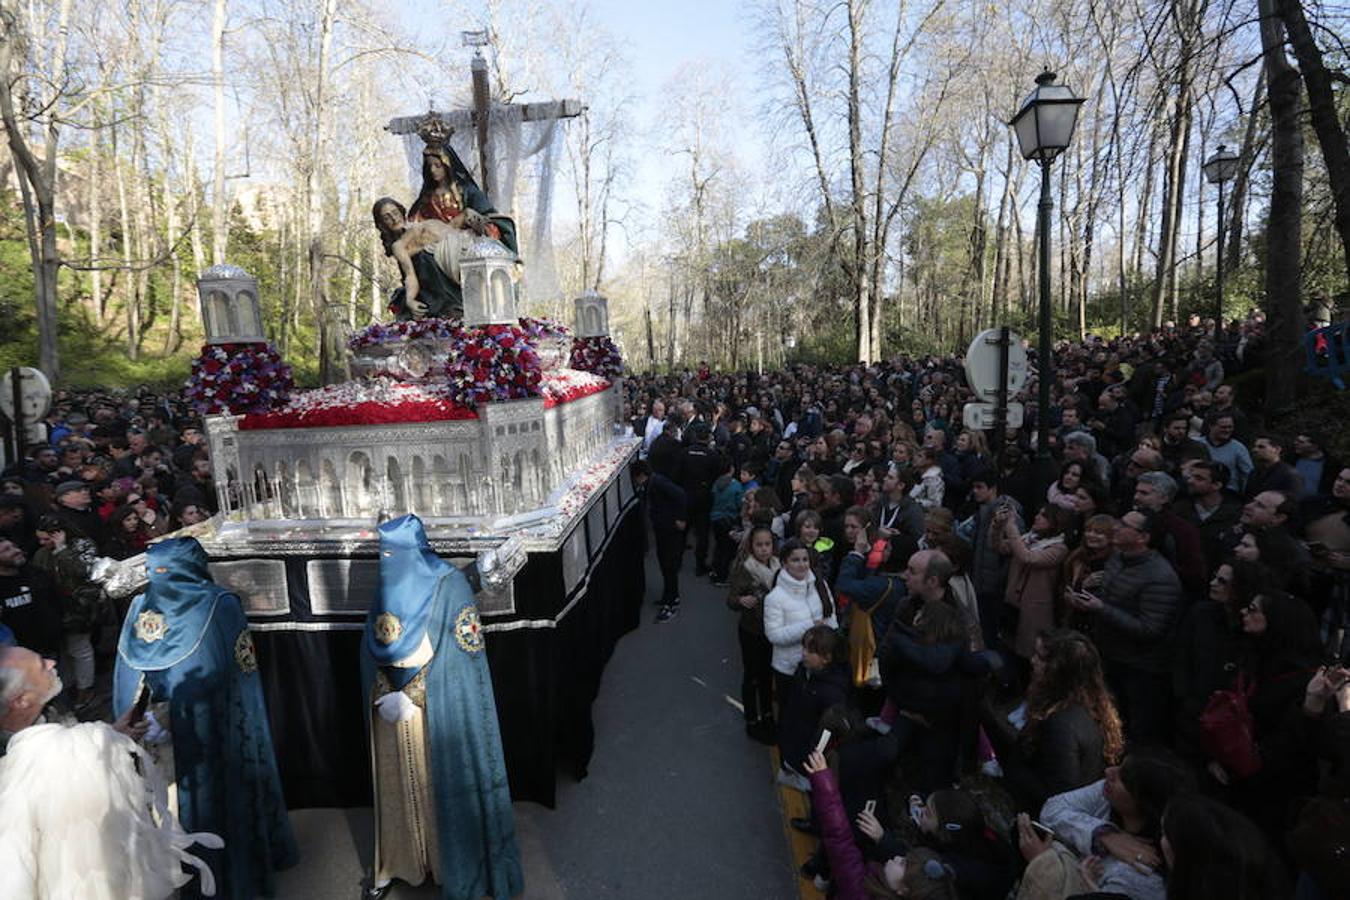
<point x="1044" y="127"/>
<point x="1220" y="168"/>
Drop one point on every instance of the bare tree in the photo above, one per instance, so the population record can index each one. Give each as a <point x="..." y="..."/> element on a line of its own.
<point x="1284" y="223"/>
<point x="37" y="175"/>
<point x="1326" y="119"/>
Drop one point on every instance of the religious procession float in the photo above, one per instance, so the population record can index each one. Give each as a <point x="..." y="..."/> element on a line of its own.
<point x="501" y="434"/>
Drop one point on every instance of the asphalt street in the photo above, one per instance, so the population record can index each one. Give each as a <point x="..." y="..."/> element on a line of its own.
<point x="678" y="803"/>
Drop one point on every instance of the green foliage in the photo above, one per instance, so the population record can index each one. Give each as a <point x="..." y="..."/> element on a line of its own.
<point x="831" y="343"/>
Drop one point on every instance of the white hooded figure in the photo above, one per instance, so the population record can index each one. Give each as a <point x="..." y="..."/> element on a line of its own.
<point x="85" y="815"/>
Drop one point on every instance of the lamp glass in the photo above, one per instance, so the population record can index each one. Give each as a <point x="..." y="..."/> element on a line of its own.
<point x="1046" y="120"/>
<point x="1221" y="167"/>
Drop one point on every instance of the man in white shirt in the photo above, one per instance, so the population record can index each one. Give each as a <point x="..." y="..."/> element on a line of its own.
<point x="656" y="423"/>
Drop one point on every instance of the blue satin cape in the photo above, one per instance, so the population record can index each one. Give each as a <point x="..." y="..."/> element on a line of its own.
<point x="422" y="595"/>
<point x="188" y="638"/>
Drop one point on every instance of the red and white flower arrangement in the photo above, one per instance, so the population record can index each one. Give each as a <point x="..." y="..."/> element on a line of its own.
<point x="238" y="378"/>
<point x="495" y="362"/>
<point x="598" y="355"/>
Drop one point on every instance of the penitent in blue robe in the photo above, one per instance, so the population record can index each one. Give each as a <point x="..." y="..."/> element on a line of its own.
<point x="422" y="596"/>
<point x="188" y="639"/>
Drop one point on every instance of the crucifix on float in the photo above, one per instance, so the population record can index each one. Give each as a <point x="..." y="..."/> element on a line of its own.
<point x="479" y="115"/>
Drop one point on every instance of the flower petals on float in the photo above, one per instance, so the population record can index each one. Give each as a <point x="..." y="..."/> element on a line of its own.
<point x="566" y="385"/>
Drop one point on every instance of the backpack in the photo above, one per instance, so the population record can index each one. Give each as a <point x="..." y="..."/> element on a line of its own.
<point x="1227" y="731"/>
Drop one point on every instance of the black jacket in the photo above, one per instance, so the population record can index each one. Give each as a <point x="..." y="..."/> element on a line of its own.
<point x="700" y="467"/>
<point x="1209" y="650"/>
<point x="1063" y="752"/>
<point x="1143" y="604"/>
<point x="1279" y="476"/>
<point x="921" y="678"/>
<point x="1212" y="529"/>
<point x="667" y="456"/>
<point x="666" y="502"/>
<point x="799" y="719"/>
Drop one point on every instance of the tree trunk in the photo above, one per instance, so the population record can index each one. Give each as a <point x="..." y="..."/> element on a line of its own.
<point x="130" y="303"/>
<point x="1141" y="223"/>
<point x="1174" y="187"/>
<point x="96" y="308"/>
<point x="1284" y="232"/>
<point x="998" y="295"/>
<point x="1326" y="120"/>
<point x="1237" y="203"/>
<point x="331" y="358"/>
<point x="39" y="175"/>
<point x="219" y="224"/>
<point x="376" y="301"/>
<point x="862" y="299"/>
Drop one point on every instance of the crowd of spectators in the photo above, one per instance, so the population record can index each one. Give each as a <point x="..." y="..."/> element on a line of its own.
<point x="111" y="472"/>
<point x="1126" y="676"/>
<point x="1122" y="677"/>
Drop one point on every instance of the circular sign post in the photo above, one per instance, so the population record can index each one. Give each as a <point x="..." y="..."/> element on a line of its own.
<point x="983" y="365"/>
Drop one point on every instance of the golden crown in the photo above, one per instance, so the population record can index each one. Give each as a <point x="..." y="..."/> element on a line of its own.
<point x="433" y="130"/>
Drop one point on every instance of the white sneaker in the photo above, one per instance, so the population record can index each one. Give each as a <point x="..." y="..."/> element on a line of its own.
<point x="876" y="724"/>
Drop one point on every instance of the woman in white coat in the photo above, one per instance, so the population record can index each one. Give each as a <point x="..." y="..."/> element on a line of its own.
<point x="798" y="602"/>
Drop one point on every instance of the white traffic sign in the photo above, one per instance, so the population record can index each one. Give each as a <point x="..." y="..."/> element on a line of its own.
<point x="984" y="416"/>
<point x="982" y="363"/>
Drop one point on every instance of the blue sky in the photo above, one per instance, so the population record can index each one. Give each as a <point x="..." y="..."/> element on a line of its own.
<point x="661" y="35"/>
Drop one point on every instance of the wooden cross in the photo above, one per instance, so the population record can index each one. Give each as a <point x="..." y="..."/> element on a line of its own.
<point x="478" y="117"/>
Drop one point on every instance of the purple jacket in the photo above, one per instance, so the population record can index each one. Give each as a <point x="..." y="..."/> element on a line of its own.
<point x="848" y="869"/>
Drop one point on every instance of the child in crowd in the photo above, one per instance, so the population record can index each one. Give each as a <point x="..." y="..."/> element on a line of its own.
<point x="752" y="578"/>
<point x="727" y="495"/>
<point x="820" y="681"/>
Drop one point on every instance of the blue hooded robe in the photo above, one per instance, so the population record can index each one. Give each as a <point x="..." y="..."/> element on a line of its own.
<point x="188" y="639"/>
<point x="422" y="596"/>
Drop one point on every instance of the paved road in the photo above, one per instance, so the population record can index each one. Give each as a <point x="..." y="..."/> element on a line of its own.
<point x="678" y="804"/>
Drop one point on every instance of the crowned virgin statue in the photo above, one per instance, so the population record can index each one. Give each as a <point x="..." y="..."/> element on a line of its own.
<point x="450" y="213"/>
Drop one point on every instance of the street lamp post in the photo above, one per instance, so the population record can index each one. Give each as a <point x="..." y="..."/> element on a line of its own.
<point x="1219" y="169"/>
<point x="1044" y="127"/>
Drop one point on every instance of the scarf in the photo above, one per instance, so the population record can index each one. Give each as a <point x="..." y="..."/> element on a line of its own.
<point x="1036" y="542"/>
<point x="762" y="573"/>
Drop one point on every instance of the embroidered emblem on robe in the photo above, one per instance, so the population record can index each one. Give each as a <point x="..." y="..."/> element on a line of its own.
<point x="245" y="656"/>
<point x="150" y="626"/>
<point x="387" y="628"/>
<point x="468" y="630"/>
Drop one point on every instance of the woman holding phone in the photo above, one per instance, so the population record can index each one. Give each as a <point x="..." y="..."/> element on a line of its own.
<point x="1033" y="573"/>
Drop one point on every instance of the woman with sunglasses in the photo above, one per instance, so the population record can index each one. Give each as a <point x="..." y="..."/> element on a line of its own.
<point x="1211" y="647"/>
<point x="1282" y="658"/>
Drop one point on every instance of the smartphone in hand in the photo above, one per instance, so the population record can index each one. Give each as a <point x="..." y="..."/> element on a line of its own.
<point x="1045" y="831"/>
<point x="141" y="705"/>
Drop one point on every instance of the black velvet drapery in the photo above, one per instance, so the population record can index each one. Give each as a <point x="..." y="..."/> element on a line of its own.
<point x="545" y="678"/>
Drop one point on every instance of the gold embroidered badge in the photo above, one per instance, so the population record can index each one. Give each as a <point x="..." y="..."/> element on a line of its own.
<point x="150" y="626"/>
<point x="245" y="656"/>
<point x="468" y="630"/>
<point x="387" y="628"/>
